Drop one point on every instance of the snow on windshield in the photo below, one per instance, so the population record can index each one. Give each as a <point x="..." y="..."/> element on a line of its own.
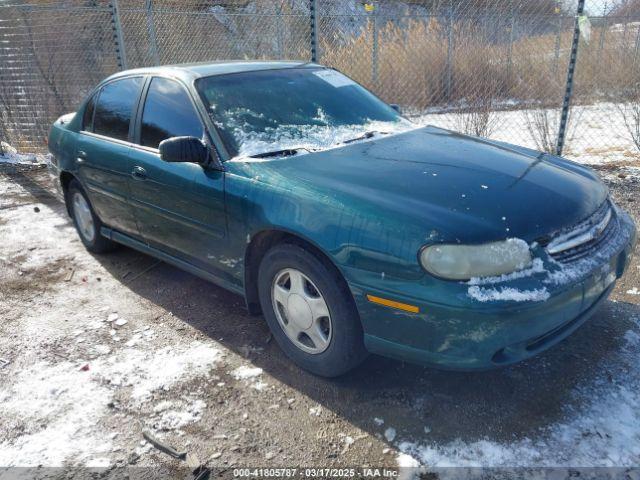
<point x="318" y="134"/>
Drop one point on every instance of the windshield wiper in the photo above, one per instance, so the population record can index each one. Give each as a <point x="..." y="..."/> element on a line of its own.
<point x="365" y="136"/>
<point x="289" y="152"/>
<point x="286" y="152"/>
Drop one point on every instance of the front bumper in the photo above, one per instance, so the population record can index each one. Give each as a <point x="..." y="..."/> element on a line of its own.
<point x="452" y="331"/>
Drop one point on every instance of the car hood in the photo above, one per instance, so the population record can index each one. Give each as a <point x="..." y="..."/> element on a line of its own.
<point x="451" y="186"/>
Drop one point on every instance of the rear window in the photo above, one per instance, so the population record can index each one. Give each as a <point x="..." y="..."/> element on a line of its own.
<point x="115" y="108"/>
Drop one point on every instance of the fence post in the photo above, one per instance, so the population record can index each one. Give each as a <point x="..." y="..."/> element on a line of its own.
<point x="313" y="10"/>
<point x="601" y="40"/>
<point x="374" y="52"/>
<point x="636" y="49"/>
<point x="566" y="103"/>
<point x="280" y="28"/>
<point x="118" y="38"/>
<point x="511" y="40"/>
<point x="449" y="66"/>
<point x="556" y="59"/>
<point x="151" y="30"/>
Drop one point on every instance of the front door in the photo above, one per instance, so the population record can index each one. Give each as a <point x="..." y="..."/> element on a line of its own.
<point x="179" y="207"/>
<point x="103" y="152"/>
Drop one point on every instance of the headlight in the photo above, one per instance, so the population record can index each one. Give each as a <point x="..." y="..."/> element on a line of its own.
<point x="462" y="262"/>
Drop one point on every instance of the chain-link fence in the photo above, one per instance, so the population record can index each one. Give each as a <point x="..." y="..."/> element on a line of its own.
<point x="50" y="57"/>
<point x="464" y="65"/>
<point x="495" y="68"/>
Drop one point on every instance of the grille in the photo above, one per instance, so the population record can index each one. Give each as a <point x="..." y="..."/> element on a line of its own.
<point x="585" y="238"/>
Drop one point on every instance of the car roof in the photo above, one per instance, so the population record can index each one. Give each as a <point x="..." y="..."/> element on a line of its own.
<point x="191" y="71"/>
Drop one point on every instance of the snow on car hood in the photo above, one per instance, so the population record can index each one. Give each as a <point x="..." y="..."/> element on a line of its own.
<point x="460" y="188"/>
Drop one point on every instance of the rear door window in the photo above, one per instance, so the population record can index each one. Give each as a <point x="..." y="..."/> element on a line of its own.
<point x="115" y="108"/>
<point x="168" y="112"/>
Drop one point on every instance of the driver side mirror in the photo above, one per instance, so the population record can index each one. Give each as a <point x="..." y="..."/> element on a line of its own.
<point x="184" y="149"/>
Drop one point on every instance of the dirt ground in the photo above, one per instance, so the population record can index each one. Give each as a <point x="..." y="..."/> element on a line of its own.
<point x="94" y="349"/>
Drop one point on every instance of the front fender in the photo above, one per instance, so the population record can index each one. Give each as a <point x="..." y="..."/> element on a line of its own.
<point x="349" y="233"/>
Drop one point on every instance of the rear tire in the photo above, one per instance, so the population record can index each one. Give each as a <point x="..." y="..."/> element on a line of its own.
<point x="87" y="223"/>
<point x="310" y="311"/>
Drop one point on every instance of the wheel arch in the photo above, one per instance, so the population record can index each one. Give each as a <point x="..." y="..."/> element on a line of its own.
<point x="260" y="244"/>
<point x="65" y="180"/>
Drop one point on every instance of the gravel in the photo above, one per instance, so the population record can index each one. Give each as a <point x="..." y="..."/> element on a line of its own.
<point x="190" y="365"/>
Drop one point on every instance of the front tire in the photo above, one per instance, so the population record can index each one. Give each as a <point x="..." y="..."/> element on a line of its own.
<point x="87" y="223"/>
<point x="310" y="311"/>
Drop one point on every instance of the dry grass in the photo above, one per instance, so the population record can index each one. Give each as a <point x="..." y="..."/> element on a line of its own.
<point x="417" y="70"/>
<point x="424" y="64"/>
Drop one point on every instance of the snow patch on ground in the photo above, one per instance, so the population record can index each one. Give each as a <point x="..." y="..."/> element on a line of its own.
<point x="147" y="372"/>
<point x="69" y="403"/>
<point x="42" y="224"/>
<point x="244" y="372"/>
<point x="249" y="374"/>
<point x="174" y="419"/>
<point x="409" y="467"/>
<point x="590" y="140"/>
<point x="603" y="433"/>
<point x="390" y="434"/>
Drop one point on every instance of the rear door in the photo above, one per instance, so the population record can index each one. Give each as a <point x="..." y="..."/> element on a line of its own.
<point x="179" y="207"/>
<point x="104" y="144"/>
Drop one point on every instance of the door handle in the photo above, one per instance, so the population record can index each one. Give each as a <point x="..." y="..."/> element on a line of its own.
<point x="139" y="173"/>
<point x="82" y="156"/>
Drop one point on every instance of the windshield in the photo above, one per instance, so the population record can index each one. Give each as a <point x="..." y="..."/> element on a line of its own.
<point x="299" y="108"/>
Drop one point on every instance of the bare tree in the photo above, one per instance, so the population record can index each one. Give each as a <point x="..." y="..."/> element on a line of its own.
<point x="630" y="112"/>
<point x="624" y="8"/>
<point x="543" y="125"/>
<point x="479" y="117"/>
<point x="478" y="120"/>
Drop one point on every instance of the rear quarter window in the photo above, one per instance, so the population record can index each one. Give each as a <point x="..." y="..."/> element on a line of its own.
<point x="87" y="118"/>
<point x="115" y="108"/>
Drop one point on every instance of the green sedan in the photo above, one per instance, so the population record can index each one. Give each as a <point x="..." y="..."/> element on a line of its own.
<point x="351" y="229"/>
